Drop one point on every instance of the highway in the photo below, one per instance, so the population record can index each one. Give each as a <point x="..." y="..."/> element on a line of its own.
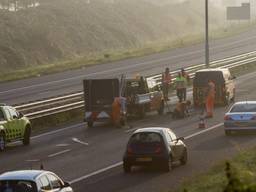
<point x="91" y="159"/>
<point x="31" y="89"/>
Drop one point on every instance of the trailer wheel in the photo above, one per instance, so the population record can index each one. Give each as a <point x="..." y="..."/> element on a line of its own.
<point x="141" y="111"/>
<point x="161" y="108"/>
<point x="90" y="124"/>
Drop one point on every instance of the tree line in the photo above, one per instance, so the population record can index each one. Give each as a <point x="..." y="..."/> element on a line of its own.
<point x="15" y="5"/>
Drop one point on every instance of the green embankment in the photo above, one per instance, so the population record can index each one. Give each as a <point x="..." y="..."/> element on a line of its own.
<point x="243" y="176"/>
<point x="60" y="35"/>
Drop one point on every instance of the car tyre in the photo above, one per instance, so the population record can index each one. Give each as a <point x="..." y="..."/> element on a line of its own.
<point x="90" y="124"/>
<point x="141" y="112"/>
<point x="227" y="132"/>
<point x="161" y="108"/>
<point x="26" y="138"/>
<point x="184" y="158"/>
<point x="168" y="165"/>
<point x="127" y="167"/>
<point x="2" y="142"/>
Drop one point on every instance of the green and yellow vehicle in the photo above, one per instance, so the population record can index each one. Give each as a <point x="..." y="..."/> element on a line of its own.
<point x="14" y="126"/>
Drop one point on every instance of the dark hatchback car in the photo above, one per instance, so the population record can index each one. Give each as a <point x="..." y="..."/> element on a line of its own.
<point x="154" y="146"/>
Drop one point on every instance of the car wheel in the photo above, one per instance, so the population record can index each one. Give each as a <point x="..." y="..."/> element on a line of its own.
<point x="90" y="124"/>
<point x="227" y="132"/>
<point x="161" y="108"/>
<point x="168" y="165"/>
<point x="26" y="137"/>
<point x="127" y="167"/>
<point x="123" y="120"/>
<point x="184" y="158"/>
<point x="141" y="112"/>
<point x="2" y="142"/>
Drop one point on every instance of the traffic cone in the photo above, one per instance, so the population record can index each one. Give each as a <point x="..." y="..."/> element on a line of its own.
<point x="202" y="124"/>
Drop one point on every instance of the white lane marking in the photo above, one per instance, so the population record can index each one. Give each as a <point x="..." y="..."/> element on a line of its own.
<point x="59" y="153"/>
<point x="79" y="141"/>
<point x="32" y="160"/>
<point x="57" y="131"/>
<point x="62" y="145"/>
<point x="95" y="173"/>
<point x="120" y="163"/>
<point x="203" y="131"/>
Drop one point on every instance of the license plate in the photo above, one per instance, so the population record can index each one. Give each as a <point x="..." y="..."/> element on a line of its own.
<point x="144" y="159"/>
<point x="241" y="124"/>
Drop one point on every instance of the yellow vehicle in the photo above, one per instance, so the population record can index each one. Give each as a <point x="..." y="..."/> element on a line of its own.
<point x="224" y="84"/>
<point x="14" y="126"/>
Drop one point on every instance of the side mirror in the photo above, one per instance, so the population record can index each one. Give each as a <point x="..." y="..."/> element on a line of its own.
<point x="21" y="115"/>
<point x="66" y="184"/>
<point x="180" y="138"/>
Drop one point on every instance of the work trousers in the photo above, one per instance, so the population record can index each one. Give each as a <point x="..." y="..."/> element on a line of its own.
<point x="209" y="105"/>
<point x="182" y="94"/>
<point x="165" y="91"/>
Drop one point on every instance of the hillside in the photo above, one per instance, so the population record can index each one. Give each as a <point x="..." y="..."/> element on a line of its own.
<point x="59" y="30"/>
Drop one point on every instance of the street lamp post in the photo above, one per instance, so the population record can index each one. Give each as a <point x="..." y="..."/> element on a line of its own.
<point x="207" y="62"/>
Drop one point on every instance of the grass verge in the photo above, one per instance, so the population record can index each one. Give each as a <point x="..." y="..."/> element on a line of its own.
<point x="114" y="55"/>
<point x="243" y="167"/>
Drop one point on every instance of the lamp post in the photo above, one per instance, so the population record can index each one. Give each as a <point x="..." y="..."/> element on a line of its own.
<point x="207" y="62"/>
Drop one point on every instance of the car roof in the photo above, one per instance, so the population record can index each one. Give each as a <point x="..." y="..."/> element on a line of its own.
<point x="151" y="129"/>
<point x="22" y="175"/>
<point x="245" y="102"/>
<point x="213" y="69"/>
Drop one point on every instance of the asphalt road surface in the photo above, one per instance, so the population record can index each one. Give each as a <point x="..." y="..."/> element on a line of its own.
<point x="61" y="83"/>
<point x="91" y="159"/>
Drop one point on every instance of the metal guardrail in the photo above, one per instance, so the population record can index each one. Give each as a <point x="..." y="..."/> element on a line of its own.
<point x="50" y="106"/>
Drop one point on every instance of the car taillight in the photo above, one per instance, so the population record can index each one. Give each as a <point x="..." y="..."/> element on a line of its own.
<point x="227" y="117"/>
<point x="158" y="149"/>
<point x="129" y="150"/>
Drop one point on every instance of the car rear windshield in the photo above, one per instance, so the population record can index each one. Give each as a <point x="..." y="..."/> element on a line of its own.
<point x="201" y="78"/>
<point x="243" y="108"/>
<point x="17" y="186"/>
<point x="146" y="137"/>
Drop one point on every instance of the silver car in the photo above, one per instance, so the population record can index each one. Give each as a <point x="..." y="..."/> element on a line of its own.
<point x="32" y="181"/>
<point x="240" y="117"/>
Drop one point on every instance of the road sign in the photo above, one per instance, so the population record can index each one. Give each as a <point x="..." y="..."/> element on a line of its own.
<point x="242" y="12"/>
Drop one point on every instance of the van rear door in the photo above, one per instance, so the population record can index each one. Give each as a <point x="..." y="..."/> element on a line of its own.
<point x="99" y="94"/>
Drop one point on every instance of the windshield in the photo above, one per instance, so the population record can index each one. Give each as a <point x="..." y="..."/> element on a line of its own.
<point x="243" y="108"/>
<point x="146" y="137"/>
<point x="202" y="78"/>
<point x="17" y="186"/>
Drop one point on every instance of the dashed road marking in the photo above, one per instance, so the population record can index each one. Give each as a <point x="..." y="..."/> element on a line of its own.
<point x="59" y="153"/>
<point x="79" y="141"/>
<point x="32" y="160"/>
<point x="62" y="145"/>
<point x="121" y="163"/>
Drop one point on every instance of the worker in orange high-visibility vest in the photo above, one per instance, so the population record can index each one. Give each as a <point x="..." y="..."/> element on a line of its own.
<point x="210" y="99"/>
<point x="166" y="82"/>
<point x="118" y="110"/>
